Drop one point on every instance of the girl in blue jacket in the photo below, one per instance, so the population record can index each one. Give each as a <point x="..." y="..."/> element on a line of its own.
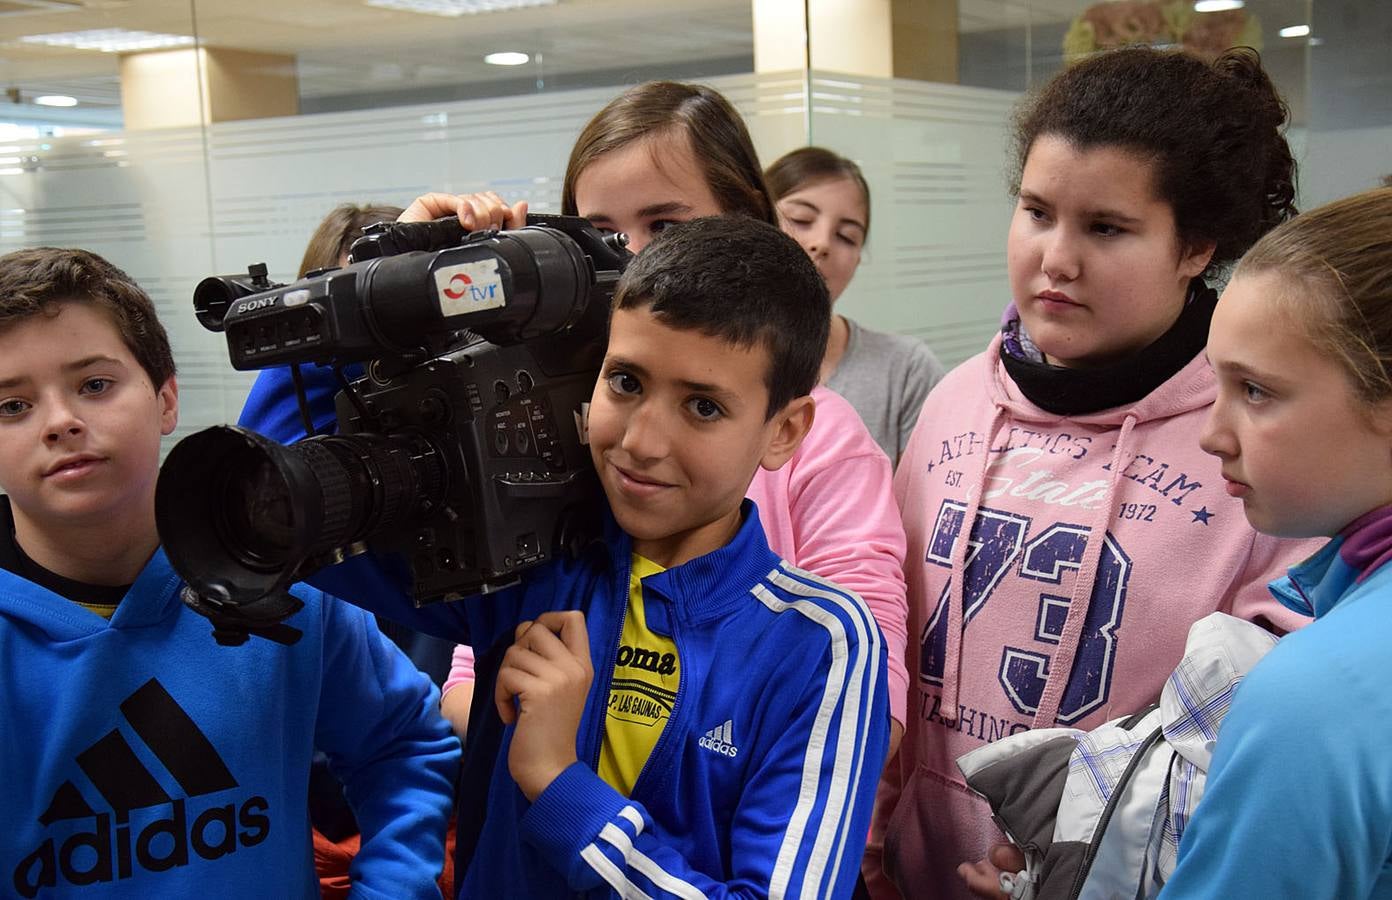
<point x="1299" y="797"/>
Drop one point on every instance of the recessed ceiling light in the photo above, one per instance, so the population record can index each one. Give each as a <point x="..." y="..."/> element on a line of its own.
<point x="56" y="100"/>
<point x="507" y="58"/>
<point x="109" y="40"/>
<point x="455" y="7"/>
<point x="1217" y="5"/>
<point x="1295" y="31"/>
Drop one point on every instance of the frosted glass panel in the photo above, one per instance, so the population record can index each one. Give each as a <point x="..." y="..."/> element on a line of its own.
<point x="935" y="156"/>
<point x="173" y="206"/>
<point x="141" y="201"/>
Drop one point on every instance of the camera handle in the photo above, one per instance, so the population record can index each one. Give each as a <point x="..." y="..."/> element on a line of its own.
<point x="391" y="238"/>
<point x="233" y="625"/>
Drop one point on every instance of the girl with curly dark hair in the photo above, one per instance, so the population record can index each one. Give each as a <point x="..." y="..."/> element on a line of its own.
<point x="1098" y="530"/>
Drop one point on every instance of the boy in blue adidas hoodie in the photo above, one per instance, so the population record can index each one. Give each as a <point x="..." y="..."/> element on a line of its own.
<point x="686" y="714"/>
<point x="141" y="759"/>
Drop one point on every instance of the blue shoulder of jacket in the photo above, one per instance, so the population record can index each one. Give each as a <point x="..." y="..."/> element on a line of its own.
<point x="323" y="606"/>
<point x="823" y="607"/>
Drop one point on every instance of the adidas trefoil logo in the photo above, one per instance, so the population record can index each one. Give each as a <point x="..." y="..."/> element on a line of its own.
<point x="721" y="739"/>
<point x="138" y="824"/>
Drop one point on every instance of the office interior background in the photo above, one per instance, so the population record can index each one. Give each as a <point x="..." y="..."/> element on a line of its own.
<point x="183" y="138"/>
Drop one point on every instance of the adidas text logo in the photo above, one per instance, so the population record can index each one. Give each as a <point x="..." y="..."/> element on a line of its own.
<point x="721" y="739"/>
<point x="145" y="826"/>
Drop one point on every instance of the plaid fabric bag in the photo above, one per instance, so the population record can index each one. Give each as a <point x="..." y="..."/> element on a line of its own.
<point x="1099" y="814"/>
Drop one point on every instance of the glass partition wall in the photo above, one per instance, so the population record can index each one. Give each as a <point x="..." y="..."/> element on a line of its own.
<point x="182" y="138"/>
<point x="199" y="137"/>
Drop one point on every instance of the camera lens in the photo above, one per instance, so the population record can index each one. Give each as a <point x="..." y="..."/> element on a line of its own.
<point x="276" y="512"/>
<point x="258" y="520"/>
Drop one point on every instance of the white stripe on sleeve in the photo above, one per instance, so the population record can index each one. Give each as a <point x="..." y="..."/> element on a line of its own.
<point x="633" y="817"/>
<point x="646" y="866"/>
<point x="612" y="874"/>
<point x="869" y="640"/>
<point x="852" y="730"/>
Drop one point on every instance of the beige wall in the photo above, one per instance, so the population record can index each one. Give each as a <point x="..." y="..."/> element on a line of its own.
<point x="174" y="88"/>
<point x="925" y="40"/>
<point x="868" y="38"/>
<point x="851" y="36"/>
<point x="161" y="89"/>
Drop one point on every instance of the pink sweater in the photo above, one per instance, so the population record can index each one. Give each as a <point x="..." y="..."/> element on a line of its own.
<point x="830" y="510"/>
<point x="1058" y="628"/>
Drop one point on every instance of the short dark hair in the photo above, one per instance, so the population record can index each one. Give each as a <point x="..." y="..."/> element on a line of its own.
<point x="745" y="282"/>
<point x="335" y="235"/>
<point x="33" y="281"/>
<point x="1213" y="131"/>
<point x="719" y="142"/>
<point x="806" y="166"/>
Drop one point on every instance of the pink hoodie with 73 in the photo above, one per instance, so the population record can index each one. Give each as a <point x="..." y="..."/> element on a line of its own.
<point x="1034" y="621"/>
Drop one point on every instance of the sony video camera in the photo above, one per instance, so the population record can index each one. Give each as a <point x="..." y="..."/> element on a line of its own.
<point x="461" y="448"/>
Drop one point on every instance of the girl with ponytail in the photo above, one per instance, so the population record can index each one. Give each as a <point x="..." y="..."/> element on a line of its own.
<point x="1302" y="346"/>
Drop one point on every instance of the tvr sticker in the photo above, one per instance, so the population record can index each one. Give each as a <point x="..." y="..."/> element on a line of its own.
<point x="469" y="287"/>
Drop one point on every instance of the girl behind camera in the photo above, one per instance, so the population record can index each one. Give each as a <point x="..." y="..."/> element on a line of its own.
<point x="662" y="153"/>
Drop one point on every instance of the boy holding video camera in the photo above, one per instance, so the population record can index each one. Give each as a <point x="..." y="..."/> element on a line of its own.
<point x="686" y="714"/>
<point x="141" y="758"/>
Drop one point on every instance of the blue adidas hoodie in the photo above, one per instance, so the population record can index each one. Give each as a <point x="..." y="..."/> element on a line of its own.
<point x="143" y="760"/>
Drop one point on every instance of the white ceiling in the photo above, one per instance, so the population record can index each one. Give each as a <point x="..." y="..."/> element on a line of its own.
<point x="345" y="46"/>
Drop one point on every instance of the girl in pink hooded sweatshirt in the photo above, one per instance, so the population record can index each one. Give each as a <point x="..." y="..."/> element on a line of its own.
<point x="1099" y="529"/>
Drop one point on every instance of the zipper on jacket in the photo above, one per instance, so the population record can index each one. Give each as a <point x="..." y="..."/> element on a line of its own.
<point x="1112" y="803"/>
<point x="601" y="720"/>
<point x="665" y="738"/>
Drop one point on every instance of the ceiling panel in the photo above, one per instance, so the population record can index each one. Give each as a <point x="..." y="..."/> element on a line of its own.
<point x="347" y="47"/>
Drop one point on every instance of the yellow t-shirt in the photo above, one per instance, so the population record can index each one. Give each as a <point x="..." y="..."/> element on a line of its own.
<point x="646" y="675"/>
<point x="105" y="610"/>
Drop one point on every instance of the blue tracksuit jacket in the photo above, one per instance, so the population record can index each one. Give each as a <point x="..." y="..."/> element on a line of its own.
<point x="762" y="783"/>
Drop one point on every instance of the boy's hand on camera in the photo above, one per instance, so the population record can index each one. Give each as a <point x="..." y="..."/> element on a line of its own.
<point x="542" y="685"/>
<point x="476" y="212"/>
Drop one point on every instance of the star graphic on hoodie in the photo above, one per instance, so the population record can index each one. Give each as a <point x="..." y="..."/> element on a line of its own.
<point x="1202" y="514"/>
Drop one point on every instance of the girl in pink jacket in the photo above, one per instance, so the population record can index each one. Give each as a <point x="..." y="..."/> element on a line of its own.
<point x="1099" y="531"/>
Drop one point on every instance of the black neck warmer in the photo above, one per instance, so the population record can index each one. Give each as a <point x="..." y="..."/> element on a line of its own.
<point x="1070" y="392"/>
<point x="13" y="558"/>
